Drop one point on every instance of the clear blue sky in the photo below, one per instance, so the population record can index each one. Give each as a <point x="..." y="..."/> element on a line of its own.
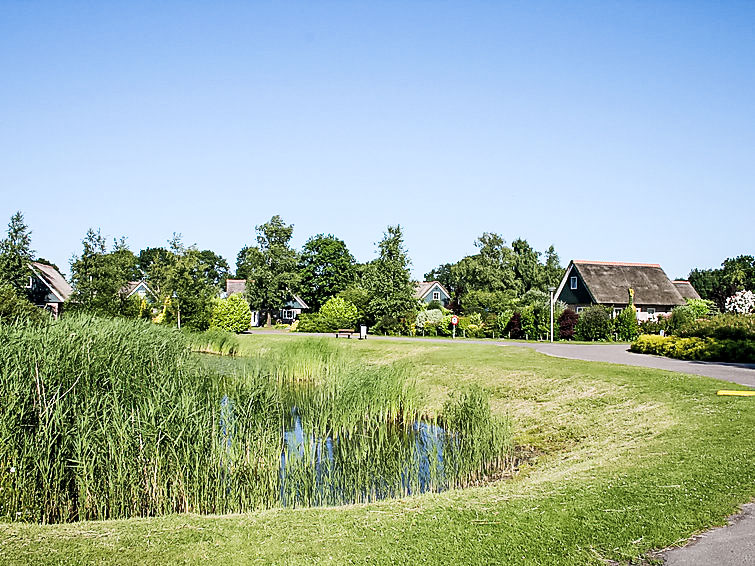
<point x="614" y="130"/>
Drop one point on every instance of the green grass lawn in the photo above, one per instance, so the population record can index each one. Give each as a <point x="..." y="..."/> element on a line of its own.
<point x="617" y="461"/>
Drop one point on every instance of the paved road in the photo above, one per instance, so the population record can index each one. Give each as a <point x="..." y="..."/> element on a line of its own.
<point x="733" y="545"/>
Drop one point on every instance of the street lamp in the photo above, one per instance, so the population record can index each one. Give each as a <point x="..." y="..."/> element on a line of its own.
<point x="551" y="289"/>
<point x="178" y="306"/>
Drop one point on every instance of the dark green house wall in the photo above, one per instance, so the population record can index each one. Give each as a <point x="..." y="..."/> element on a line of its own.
<point x="578" y="296"/>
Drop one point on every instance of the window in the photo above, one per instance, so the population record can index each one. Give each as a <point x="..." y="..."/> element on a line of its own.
<point x="29" y="284"/>
<point x="436" y="295"/>
<point x="617" y="311"/>
<point x="580" y="309"/>
<point x="651" y="310"/>
<point x="573" y="282"/>
<point x="288" y="315"/>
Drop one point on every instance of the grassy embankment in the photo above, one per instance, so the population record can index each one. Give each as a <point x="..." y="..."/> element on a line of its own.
<point x="623" y="460"/>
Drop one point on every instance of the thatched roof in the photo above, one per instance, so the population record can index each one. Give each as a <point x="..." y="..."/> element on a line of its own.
<point x="53" y="280"/>
<point x="609" y="283"/>
<point x="686" y="290"/>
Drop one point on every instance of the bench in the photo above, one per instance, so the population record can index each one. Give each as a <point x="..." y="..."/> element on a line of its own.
<point x="344" y="332"/>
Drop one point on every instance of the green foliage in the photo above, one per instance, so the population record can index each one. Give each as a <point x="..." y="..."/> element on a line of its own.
<point x="232" y="314"/>
<point x="270" y="268"/>
<point x="651" y="326"/>
<point x="15" y="254"/>
<point x="213" y="341"/>
<point x="486" y="302"/>
<point x="388" y="282"/>
<point x="311" y="322"/>
<point x="692" y="310"/>
<point x="725" y="326"/>
<point x="326" y="268"/>
<point x="696" y="348"/>
<point x="338" y="313"/>
<point x="594" y="324"/>
<point x="625" y="324"/>
<point x="736" y="274"/>
<point x="14" y="307"/>
<point x="434" y="305"/>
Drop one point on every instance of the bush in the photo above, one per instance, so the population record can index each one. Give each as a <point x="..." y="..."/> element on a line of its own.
<point x="696" y="348"/>
<point x="724" y="326"/>
<point x="741" y="303"/>
<point x="428" y="321"/>
<point x="692" y="310"/>
<point x="310" y="322"/>
<point x="14" y="307"/>
<point x="567" y="323"/>
<point x="232" y="314"/>
<point x="654" y="326"/>
<point x="434" y="305"/>
<point x="514" y="326"/>
<point x="338" y="313"/>
<point x="625" y="324"/>
<point x="594" y="324"/>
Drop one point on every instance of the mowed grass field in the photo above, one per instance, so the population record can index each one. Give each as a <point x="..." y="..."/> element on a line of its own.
<point x="616" y="461"/>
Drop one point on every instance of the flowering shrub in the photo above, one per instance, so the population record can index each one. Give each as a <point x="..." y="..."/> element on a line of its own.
<point x="741" y="303"/>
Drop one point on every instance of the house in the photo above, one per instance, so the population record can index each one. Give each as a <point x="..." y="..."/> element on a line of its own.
<point x="686" y="290"/>
<point x="292" y="309"/>
<point x="48" y="288"/>
<point x="609" y="283"/>
<point x="428" y="291"/>
<point x="234" y="287"/>
<point x="140" y="289"/>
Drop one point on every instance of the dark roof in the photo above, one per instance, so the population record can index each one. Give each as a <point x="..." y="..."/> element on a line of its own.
<point x="422" y="288"/>
<point x="686" y="290"/>
<point x="233" y="286"/>
<point x="609" y="283"/>
<point x="53" y="279"/>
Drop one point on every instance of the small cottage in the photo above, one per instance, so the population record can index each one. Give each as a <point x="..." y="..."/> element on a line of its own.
<point x="48" y="288"/>
<point x="292" y="309"/>
<point x="235" y="286"/>
<point x="608" y="283"/>
<point x="429" y="291"/>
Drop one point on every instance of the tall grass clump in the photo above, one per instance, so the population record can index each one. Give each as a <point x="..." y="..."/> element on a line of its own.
<point x="213" y="341"/>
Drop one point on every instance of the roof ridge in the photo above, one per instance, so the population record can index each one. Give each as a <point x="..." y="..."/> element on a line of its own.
<point x="680" y="281"/>
<point x="618" y="263"/>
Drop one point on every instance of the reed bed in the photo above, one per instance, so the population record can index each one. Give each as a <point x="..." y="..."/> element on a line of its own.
<point x="115" y="418"/>
<point x="213" y="341"/>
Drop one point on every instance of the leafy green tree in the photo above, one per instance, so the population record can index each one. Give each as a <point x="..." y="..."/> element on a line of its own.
<point x="232" y="314"/>
<point x="388" y="280"/>
<point x="594" y="324"/>
<point x="15" y="307"/>
<point x="15" y="254"/>
<point x="338" y="313"/>
<point x="98" y="276"/>
<point x="551" y="271"/>
<point x="525" y="263"/>
<point x="326" y="268"/>
<point x="154" y="265"/>
<point x="270" y="267"/>
<point x="187" y="287"/>
<point x="215" y="268"/>
<point x="625" y="324"/>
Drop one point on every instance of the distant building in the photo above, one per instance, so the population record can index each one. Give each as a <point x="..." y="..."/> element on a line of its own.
<point x="608" y="283"/>
<point x="140" y="289"/>
<point x="234" y="287"/>
<point x="428" y="291"/>
<point x="686" y="290"/>
<point x="48" y="288"/>
<point x="292" y="309"/>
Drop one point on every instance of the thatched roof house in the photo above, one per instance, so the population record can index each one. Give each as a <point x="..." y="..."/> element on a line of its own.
<point x="48" y="288"/>
<point x="686" y="290"/>
<point x="608" y="283"/>
<point x="428" y="291"/>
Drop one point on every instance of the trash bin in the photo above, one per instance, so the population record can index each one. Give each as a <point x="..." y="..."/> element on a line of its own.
<point x="363" y="332"/>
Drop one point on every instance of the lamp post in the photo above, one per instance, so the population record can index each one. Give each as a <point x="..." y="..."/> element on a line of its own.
<point x="178" y="306"/>
<point x="551" y="289"/>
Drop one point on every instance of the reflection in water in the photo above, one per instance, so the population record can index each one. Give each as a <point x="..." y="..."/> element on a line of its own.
<point x="371" y="463"/>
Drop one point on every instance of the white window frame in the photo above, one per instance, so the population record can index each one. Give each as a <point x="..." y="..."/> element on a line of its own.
<point x="580" y="309"/>
<point x="436" y="295"/>
<point x="29" y="284"/>
<point x="617" y="311"/>
<point x="573" y="282"/>
<point x="288" y="314"/>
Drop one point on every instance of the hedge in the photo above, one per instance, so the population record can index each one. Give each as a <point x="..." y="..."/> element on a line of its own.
<point x="696" y="348"/>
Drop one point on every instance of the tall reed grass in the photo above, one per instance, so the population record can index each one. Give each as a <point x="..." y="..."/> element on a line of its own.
<point x="116" y="418"/>
<point x="213" y="341"/>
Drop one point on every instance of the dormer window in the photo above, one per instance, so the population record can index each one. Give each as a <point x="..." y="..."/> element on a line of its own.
<point x="573" y="282"/>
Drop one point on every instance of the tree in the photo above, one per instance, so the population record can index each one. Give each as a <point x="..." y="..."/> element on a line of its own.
<point x="526" y="266"/>
<point x="326" y="268"/>
<point x="270" y="267"/>
<point x="338" y="313"/>
<point x="154" y="265"/>
<point x="551" y="270"/>
<point x="231" y="314"/>
<point x="15" y="254"/>
<point x="215" y="268"/>
<point x="14" y="306"/>
<point x="388" y="280"/>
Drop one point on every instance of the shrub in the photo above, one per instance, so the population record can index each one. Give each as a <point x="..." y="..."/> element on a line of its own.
<point x="514" y="326"/>
<point x="724" y="326"/>
<point x="696" y="348"/>
<point x="625" y="324"/>
<point x="567" y="323"/>
<point x="310" y="322"/>
<point x="232" y="314"/>
<point x="14" y="307"/>
<point x="692" y="310"/>
<point x="654" y="326"/>
<point x="434" y="305"/>
<point x="594" y="324"/>
<point x="338" y="313"/>
<point x="428" y="319"/>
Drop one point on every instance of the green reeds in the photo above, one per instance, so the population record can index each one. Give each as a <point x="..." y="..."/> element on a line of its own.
<point x="213" y="341"/>
<point x="116" y="418"/>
